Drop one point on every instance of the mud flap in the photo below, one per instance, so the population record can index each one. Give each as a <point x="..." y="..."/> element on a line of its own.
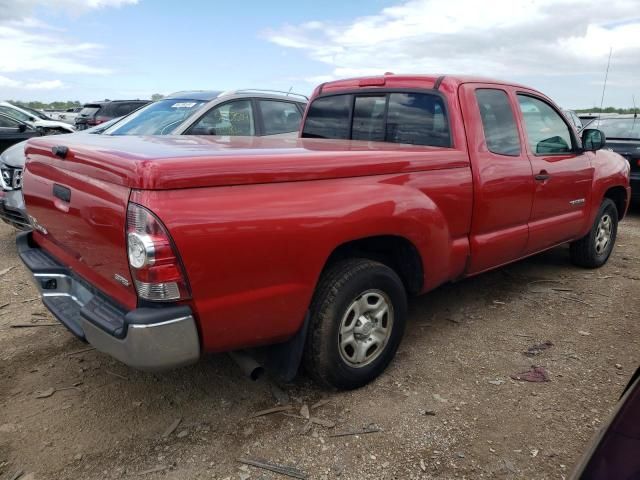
<point x="282" y="360"/>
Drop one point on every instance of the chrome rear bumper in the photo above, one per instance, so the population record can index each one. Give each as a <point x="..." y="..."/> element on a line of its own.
<point x="145" y="338"/>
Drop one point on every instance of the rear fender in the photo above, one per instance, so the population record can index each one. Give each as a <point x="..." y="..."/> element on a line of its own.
<point x="253" y="254"/>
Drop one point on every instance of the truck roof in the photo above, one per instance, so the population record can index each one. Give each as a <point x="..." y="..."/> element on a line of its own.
<point x="391" y="80"/>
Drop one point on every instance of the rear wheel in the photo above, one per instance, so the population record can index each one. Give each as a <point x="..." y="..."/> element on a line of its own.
<point x="358" y="316"/>
<point x="593" y="250"/>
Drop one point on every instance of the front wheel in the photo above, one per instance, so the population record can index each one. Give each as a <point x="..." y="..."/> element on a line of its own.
<point x="358" y="315"/>
<point x="593" y="250"/>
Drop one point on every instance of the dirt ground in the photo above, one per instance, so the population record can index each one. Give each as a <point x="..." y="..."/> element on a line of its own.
<point x="446" y="407"/>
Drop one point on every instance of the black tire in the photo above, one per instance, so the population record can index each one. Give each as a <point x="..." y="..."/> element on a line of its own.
<point x="339" y="287"/>
<point x="584" y="252"/>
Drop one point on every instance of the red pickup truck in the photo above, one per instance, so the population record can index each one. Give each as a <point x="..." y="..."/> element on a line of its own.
<point x="158" y="250"/>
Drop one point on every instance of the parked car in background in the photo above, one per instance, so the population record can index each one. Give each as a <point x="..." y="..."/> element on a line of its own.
<point x="95" y="113"/>
<point x="623" y="137"/>
<point x="12" y="208"/>
<point x="614" y="451"/>
<point x="68" y="116"/>
<point x="13" y="134"/>
<point x="13" y="131"/>
<point x="47" y="126"/>
<point x="231" y="113"/>
<point x="159" y="249"/>
<point x="573" y="119"/>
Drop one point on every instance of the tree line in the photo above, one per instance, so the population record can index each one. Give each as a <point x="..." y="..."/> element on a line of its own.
<point x="607" y="110"/>
<point x="63" y="105"/>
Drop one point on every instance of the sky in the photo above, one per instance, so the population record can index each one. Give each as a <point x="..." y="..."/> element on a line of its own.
<point x="94" y="49"/>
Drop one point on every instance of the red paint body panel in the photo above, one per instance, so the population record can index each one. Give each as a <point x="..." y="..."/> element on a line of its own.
<point x="87" y="233"/>
<point x="255" y="219"/>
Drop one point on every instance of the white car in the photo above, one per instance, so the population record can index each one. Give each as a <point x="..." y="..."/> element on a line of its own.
<point x="47" y="126"/>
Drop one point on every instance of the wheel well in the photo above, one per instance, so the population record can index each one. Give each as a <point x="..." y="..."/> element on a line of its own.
<point x="397" y="253"/>
<point x="619" y="197"/>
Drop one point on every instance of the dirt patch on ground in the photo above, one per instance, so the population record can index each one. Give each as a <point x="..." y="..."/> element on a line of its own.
<point x="446" y="407"/>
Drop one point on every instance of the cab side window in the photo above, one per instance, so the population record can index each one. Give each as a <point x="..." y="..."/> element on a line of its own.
<point x="547" y="132"/>
<point x="406" y="118"/>
<point x="498" y="122"/>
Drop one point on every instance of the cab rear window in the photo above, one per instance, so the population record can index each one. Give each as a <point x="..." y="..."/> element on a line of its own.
<point x="394" y="117"/>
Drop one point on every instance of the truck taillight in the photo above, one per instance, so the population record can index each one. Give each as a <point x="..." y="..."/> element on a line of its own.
<point x="155" y="266"/>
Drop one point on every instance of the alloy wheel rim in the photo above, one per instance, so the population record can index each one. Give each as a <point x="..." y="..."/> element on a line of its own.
<point x="603" y="234"/>
<point x="365" y="328"/>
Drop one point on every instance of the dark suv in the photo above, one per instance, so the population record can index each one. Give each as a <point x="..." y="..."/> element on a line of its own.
<point x="98" y="112"/>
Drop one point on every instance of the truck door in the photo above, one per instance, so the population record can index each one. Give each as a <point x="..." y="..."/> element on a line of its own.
<point x="562" y="174"/>
<point x="502" y="176"/>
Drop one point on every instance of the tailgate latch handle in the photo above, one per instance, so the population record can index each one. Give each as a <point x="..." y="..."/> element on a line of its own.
<point x="60" y="151"/>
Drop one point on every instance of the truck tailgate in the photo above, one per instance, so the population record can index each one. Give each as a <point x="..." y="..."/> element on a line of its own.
<point x="80" y="220"/>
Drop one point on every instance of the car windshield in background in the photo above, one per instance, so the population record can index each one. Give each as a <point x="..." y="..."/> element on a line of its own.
<point x="159" y="118"/>
<point x="618" y="127"/>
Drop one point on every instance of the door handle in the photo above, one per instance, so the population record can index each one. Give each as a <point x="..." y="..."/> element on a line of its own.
<point x="542" y="176"/>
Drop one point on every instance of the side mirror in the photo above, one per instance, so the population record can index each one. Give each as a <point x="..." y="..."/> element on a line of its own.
<point x="593" y="139"/>
<point x="22" y="127"/>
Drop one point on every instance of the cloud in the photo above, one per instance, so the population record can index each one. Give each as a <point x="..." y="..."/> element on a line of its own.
<point x="38" y="85"/>
<point x="503" y="38"/>
<point x="31" y="45"/>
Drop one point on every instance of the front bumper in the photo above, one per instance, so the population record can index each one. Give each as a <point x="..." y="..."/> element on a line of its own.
<point x="152" y="339"/>
<point x="12" y="209"/>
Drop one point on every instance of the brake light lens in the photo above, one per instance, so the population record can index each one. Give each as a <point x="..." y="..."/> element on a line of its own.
<point x="155" y="266"/>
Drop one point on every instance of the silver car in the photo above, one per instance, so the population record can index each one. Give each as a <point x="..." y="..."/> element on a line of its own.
<point x="232" y="113"/>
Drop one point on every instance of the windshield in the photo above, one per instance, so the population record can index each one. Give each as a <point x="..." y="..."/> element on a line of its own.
<point x="159" y="118"/>
<point x="618" y="127"/>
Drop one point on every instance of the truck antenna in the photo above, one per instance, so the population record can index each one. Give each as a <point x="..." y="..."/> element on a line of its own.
<point x="604" y="86"/>
<point x="635" y="110"/>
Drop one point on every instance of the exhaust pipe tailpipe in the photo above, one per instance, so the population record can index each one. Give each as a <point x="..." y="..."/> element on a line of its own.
<point x="247" y="364"/>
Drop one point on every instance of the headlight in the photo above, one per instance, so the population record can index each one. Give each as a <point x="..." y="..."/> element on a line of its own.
<point x="11" y="178"/>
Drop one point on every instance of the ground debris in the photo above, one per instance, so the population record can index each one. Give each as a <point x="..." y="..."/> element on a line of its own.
<point x="30" y="325"/>
<point x="320" y="403"/>
<point x="584" y="333"/>
<point x="6" y="270"/>
<point x="46" y="393"/>
<point x="273" y="467"/>
<point x="304" y="411"/>
<point x="152" y="470"/>
<point x="114" y="374"/>
<point x="269" y="411"/>
<point x="428" y="413"/>
<point x="172" y="428"/>
<point x="17" y="475"/>
<point x="322" y="422"/>
<point x="534" y="374"/>
<point x="78" y="352"/>
<point x="537" y="349"/>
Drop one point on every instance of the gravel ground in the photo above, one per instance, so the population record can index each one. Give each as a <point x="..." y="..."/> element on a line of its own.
<point x="446" y="407"/>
